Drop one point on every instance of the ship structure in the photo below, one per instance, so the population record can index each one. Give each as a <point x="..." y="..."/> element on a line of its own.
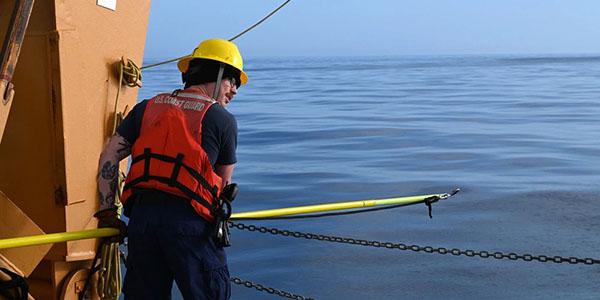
<point x="59" y="83"/>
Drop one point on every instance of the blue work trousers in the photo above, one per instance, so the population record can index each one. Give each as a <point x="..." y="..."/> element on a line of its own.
<point x="168" y="240"/>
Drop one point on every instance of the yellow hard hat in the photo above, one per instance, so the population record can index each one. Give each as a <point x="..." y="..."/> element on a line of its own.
<point x="216" y="49"/>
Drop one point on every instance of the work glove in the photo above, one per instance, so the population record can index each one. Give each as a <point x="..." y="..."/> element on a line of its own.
<point x="221" y="227"/>
<point x="109" y="218"/>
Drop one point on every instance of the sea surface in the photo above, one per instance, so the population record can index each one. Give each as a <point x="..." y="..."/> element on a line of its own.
<point x="519" y="135"/>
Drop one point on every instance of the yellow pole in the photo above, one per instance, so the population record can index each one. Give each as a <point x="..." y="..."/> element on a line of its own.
<point x="56" y="237"/>
<point x="104" y="232"/>
<point x="334" y="206"/>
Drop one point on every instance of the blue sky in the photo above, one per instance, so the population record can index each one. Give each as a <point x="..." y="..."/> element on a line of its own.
<point x="379" y="27"/>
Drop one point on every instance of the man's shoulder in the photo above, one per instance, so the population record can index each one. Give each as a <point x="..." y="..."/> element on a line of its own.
<point x="141" y="105"/>
<point x="218" y="113"/>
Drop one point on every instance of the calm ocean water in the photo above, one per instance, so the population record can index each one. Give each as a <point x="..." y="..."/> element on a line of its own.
<point x="520" y="135"/>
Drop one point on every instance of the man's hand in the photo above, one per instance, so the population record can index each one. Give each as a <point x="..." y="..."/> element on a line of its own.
<point x="109" y="218"/>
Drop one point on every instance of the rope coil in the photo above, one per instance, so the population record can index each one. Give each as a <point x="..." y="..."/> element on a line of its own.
<point x="109" y="272"/>
<point x="129" y="75"/>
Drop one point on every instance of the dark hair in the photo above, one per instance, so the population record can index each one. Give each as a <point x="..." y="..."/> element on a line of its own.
<point x="206" y="70"/>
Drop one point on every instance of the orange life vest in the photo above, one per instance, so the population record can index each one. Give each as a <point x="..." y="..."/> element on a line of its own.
<point x="168" y="154"/>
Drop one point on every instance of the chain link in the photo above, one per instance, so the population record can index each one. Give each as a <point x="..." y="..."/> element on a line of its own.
<point x="417" y="248"/>
<point x="270" y="290"/>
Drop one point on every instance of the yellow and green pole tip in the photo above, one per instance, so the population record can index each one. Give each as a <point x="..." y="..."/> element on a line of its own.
<point x="339" y="206"/>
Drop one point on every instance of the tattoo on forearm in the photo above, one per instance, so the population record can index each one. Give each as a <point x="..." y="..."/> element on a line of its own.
<point x="108" y="176"/>
<point x="108" y="199"/>
<point x="124" y="143"/>
<point x="124" y="148"/>
<point x="109" y="171"/>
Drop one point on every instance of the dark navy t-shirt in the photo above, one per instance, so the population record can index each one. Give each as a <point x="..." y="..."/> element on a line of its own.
<point x="219" y="132"/>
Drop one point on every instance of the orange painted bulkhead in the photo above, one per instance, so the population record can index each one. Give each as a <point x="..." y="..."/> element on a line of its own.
<point x="65" y="85"/>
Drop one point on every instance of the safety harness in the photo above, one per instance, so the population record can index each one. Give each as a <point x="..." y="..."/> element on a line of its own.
<point x="172" y="181"/>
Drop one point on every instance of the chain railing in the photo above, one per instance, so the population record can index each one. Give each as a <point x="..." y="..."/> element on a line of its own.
<point x="270" y="290"/>
<point x="416" y="248"/>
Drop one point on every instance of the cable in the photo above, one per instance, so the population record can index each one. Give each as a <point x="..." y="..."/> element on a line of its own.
<point x="258" y="23"/>
<point x="231" y="39"/>
<point x="163" y="62"/>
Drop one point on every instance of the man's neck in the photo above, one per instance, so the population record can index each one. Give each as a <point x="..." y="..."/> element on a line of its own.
<point x="201" y="89"/>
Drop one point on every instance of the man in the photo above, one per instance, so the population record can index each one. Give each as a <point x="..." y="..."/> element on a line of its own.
<point x="183" y="154"/>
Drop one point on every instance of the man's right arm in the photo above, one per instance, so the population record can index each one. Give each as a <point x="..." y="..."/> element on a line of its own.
<point x="225" y="172"/>
<point x="118" y="147"/>
<point x="108" y="170"/>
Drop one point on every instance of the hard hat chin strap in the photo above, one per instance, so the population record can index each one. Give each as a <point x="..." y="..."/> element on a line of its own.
<point x="217" y="90"/>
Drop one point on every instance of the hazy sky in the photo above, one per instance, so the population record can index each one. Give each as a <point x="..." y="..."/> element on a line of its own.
<point x="378" y="27"/>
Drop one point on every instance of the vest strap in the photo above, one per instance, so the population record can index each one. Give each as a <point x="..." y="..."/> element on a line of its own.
<point x="176" y="168"/>
<point x="146" y="157"/>
<point x="177" y="162"/>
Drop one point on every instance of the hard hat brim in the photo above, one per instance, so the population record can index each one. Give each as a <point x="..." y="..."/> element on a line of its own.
<point x="184" y="64"/>
<point x="243" y="77"/>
